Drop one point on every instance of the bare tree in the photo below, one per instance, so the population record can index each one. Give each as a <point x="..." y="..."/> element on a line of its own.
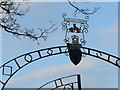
<point x="9" y="11"/>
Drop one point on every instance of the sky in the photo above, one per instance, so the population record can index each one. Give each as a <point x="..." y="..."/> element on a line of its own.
<point x="102" y="35"/>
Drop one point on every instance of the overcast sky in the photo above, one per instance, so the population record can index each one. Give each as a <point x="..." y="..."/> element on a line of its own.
<point x="102" y="35"/>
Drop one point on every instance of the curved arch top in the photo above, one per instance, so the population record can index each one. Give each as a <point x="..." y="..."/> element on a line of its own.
<point x="39" y="54"/>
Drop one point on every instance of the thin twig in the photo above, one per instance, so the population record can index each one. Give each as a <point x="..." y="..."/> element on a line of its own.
<point x="83" y="11"/>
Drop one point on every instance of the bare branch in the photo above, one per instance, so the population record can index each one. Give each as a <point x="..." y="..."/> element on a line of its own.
<point x="8" y="21"/>
<point x="83" y="11"/>
<point x="30" y="32"/>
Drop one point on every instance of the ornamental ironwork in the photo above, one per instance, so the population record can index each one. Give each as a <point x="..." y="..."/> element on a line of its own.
<point x="10" y="68"/>
<point x="75" y="26"/>
<point x="64" y="83"/>
<point x="75" y="30"/>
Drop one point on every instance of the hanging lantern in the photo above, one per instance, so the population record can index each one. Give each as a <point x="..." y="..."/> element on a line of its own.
<point x="74" y="50"/>
<point x="74" y="53"/>
<point x="75" y="27"/>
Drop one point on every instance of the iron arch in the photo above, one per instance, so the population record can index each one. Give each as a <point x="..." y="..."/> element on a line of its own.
<point x="63" y="83"/>
<point x="42" y="53"/>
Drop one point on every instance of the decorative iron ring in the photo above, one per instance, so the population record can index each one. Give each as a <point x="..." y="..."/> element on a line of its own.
<point x="30" y="60"/>
<point x="64" y="25"/>
<point x="87" y="18"/>
<point x="86" y="25"/>
<point x="50" y="52"/>
<point x="85" y="30"/>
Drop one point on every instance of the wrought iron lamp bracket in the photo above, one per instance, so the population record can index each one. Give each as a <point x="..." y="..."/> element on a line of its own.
<point x="81" y="29"/>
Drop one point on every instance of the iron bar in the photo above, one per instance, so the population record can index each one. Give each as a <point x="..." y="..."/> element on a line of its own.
<point x="61" y="50"/>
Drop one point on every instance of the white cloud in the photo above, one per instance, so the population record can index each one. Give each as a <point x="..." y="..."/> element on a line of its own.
<point x="90" y="69"/>
<point x="105" y="38"/>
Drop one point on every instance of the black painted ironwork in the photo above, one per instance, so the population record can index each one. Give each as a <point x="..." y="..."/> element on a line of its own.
<point x="74" y="50"/>
<point x="8" y="69"/>
<point x="73" y="25"/>
<point x="63" y="84"/>
<point x="75" y="53"/>
<point x="5" y="71"/>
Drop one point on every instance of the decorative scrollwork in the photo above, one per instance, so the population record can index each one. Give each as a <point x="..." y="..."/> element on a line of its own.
<point x="87" y="18"/>
<point x="65" y="24"/>
<point x="82" y="29"/>
<point x="68" y="87"/>
<point x="85" y="30"/>
<point x="83" y="41"/>
<point x="98" y="54"/>
<point x="83" y="55"/>
<point x="66" y="40"/>
<point x="64" y="15"/>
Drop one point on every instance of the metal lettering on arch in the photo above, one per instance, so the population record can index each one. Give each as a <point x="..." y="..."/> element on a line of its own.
<point x="8" y="70"/>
